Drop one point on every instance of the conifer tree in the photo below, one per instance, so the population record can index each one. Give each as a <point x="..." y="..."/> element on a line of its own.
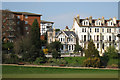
<point x="91" y="51"/>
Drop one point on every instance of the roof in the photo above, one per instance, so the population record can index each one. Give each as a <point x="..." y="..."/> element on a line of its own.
<point x="27" y="13"/>
<point x="24" y="13"/>
<point x="93" y="23"/>
<point x="67" y="33"/>
<point x="43" y="21"/>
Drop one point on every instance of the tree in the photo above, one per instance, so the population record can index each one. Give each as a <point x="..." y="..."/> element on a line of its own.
<point x="91" y="51"/>
<point x="78" y="48"/>
<point x="35" y="34"/>
<point x="56" y="45"/>
<point x="111" y="52"/>
<point x="56" y="30"/>
<point x="55" y="54"/>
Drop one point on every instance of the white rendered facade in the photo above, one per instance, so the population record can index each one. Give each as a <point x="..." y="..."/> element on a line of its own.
<point x="45" y="26"/>
<point x="68" y="41"/>
<point x="102" y="32"/>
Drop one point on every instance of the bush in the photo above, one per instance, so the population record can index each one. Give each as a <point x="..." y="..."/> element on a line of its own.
<point x="92" y="62"/>
<point x="113" y="63"/>
<point x="104" y="60"/>
<point x="57" y="62"/>
<point x="12" y="59"/>
<point x="40" y="60"/>
<point x="55" y="54"/>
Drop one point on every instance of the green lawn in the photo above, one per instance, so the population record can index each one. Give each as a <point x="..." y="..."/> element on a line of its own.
<point x="47" y="72"/>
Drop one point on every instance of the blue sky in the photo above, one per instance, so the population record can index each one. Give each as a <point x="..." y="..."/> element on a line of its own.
<point x="62" y="13"/>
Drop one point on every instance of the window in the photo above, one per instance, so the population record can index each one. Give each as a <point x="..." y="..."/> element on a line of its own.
<point x="109" y="44"/>
<point x="97" y="45"/>
<point x="26" y="28"/>
<point x="114" y="29"/>
<point x="69" y="47"/>
<point x="18" y="22"/>
<point x="102" y="37"/>
<point x="90" y="30"/>
<point x="114" y="37"/>
<point x="109" y="38"/>
<point x="84" y="37"/>
<point x="18" y="17"/>
<point x="109" y="30"/>
<point x="94" y="37"/>
<point x="72" y="47"/>
<point x="85" y="29"/>
<point x="26" y="22"/>
<point x="68" y="40"/>
<point x="103" y="46"/>
<point x="26" y="16"/>
<point x="82" y="29"/>
<point x="61" y="39"/>
<point x="111" y="23"/>
<point x="97" y="37"/>
<point x="102" y="30"/>
<point x="97" y="29"/>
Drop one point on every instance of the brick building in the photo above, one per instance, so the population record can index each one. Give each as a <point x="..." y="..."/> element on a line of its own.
<point x="16" y="24"/>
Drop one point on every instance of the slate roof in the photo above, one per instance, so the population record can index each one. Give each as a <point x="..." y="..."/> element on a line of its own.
<point x="68" y="33"/>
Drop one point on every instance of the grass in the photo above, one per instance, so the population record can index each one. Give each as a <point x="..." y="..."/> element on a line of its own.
<point x="78" y="60"/>
<point x="47" y="72"/>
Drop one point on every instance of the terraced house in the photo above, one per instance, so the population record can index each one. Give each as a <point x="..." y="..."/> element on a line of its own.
<point x="102" y="32"/>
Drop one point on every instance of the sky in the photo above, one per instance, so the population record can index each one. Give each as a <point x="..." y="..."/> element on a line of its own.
<point x="63" y="13"/>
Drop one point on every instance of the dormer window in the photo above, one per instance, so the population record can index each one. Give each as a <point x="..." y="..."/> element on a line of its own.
<point x="85" y="23"/>
<point x="98" y="23"/>
<point x="110" y="23"/>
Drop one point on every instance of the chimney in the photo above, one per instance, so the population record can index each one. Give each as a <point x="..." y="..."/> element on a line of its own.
<point x="90" y="19"/>
<point x="87" y="18"/>
<point x="67" y="27"/>
<point x="103" y="20"/>
<point x="114" y="20"/>
<point x="110" y="19"/>
<point x="78" y="17"/>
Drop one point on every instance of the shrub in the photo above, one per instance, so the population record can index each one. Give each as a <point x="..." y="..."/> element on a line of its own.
<point x="57" y="62"/>
<point x="113" y="63"/>
<point x="40" y="60"/>
<point x="12" y="59"/>
<point x="92" y="62"/>
<point x="55" y="54"/>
